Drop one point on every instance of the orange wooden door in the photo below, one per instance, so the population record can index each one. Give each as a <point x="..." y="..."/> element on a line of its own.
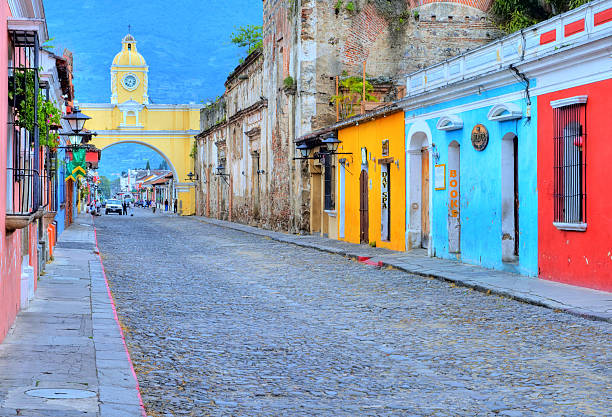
<point x="425" y="198"/>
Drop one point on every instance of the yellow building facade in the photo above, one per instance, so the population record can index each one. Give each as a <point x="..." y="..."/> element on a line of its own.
<point x="169" y="129"/>
<point x="372" y="182"/>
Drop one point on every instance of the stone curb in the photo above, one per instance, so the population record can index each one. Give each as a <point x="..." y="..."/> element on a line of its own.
<point x="119" y="393"/>
<point x="454" y="278"/>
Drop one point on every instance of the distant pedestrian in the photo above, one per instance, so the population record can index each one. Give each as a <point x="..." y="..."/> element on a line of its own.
<point x="166" y="205"/>
<point x="175" y="205"/>
<point x="124" y="208"/>
<point x="153" y="205"/>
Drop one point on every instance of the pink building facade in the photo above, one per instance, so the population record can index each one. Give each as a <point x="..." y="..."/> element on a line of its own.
<point x="26" y="163"/>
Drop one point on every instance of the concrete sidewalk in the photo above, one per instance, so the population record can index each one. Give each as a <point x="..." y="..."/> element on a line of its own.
<point x="584" y="302"/>
<point x="65" y="355"/>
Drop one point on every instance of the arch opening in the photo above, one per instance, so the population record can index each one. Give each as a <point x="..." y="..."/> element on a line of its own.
<point x="509" y="198"/>
<point x="418" y="159"/>
<point x="138" y="172"/>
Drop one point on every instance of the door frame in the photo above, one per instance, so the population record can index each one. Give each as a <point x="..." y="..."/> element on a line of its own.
<point x="364" y="209"/>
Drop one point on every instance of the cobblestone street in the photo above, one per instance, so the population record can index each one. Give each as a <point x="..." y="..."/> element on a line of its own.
<point x="224" y="323"/>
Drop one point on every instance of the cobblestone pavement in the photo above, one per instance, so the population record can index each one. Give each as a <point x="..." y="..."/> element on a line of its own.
<point x="224" y="323"/>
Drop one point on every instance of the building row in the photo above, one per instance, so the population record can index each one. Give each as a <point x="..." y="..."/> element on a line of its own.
<point x="493" y="157"/>
<point x="37" y="203"/>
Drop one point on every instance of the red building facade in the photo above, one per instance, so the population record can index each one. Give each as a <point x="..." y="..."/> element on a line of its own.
<point x="574" y="153"/>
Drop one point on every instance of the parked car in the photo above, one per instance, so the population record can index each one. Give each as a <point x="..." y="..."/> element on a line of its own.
<point x="113" y="206"/>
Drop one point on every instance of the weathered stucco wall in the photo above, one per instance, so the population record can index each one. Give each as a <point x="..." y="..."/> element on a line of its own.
<point x="306" y="44"/>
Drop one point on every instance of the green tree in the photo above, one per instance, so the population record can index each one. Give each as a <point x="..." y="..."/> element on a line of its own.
<point x="248" y="36"/>
<point x="105" y="187"/>
<point x="148" y="165"/>
<point x="513" y="15"/>
<point x="163" y="165"/>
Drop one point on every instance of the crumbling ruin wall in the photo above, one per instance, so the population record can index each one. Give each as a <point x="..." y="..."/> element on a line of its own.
<point x="306" y="44"/>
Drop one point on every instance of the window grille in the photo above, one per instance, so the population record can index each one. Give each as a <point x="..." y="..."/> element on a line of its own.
<point x="23" y="170"/>
<point x="329" y="188"/>
<point x="570" y="140"/>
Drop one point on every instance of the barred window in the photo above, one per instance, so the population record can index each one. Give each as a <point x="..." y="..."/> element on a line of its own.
<point x="330" y="204"/>
<point x="569" y="118"/>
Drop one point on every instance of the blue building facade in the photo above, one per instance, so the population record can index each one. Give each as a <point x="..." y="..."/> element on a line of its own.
<point x="472" y="143"/>
<point x="477" y="147"/>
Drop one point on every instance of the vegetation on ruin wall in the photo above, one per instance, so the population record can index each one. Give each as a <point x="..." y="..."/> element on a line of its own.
<point x="249" y="37"/>
<point x="350" y="95"/>
<point x="509" y="15"/>
<point x="513" y="15"/>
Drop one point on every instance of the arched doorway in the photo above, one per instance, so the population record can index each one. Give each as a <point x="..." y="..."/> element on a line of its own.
<point x="418" y="180"/>
<point x="509" y="198"/>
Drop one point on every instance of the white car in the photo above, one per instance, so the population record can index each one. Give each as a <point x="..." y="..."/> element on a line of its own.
<point x="113" y="206"/>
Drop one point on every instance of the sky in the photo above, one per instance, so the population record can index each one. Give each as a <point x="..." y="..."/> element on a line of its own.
<point x="186" y="43"/>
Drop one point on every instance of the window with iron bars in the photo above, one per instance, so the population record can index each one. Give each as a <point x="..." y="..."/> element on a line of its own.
<point x="23" y="156"/>
<point x="330" y="204"/>
<point x="570" y="140"/>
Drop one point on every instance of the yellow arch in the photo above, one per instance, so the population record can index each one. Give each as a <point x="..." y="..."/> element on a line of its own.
<point x="174" y="149"/>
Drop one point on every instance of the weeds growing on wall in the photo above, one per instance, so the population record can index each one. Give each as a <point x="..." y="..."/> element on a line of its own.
<point x="513" y="15"/>
<point x="350" y="95"/>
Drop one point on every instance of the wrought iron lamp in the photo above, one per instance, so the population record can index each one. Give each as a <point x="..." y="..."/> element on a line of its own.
<point x="221" y="173"/>
<point x="76" y="119"/>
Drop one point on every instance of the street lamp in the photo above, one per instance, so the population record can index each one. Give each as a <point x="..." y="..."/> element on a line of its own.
<point x="332" y="143"/>
<point x="76" y="119"/>
<point x="304" y="150"/>
<point x="191" y="176"/>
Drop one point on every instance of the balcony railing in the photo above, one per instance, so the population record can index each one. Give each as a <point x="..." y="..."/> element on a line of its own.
<point x="23" y="167"/>
<point x="589" y="22"/>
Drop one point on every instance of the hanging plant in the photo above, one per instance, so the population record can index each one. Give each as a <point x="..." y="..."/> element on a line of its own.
<point x="21" y="97"/>
<point x="48" y="115"/>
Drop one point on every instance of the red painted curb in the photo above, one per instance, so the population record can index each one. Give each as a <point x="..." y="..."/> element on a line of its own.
<point x="110" y="296"/>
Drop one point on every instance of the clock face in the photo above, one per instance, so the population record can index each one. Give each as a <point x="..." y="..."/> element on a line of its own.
<point x="130" y="82"/>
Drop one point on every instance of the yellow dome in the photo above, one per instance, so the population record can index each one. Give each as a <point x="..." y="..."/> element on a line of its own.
<point x="129" y="54"/>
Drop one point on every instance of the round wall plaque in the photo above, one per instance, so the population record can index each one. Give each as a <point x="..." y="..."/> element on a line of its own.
<point x="480" y="137"/>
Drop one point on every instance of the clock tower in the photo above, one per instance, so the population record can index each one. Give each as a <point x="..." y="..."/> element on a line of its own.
<point x="129" y="75"/>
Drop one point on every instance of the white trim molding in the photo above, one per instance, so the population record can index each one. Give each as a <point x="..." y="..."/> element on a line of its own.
<point x="568" y="101"/>
<point x="449" y="122"/>
<point x="571" y="227"/>
<point x="504" y="111"/>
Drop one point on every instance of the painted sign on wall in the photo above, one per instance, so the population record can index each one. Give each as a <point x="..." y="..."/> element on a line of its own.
<point x="454" y="193"/>
<point x="384" y="202"/>
<point x="480" y="137"/>
<point x="440" y="177"/>
<point x="385" y="147"/>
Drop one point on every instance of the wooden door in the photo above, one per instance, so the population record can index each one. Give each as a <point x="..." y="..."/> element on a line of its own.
<point x="363" y="208"/>
<point x="425" y="198"/>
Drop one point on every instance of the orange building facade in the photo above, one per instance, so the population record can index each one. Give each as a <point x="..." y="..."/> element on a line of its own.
<point x="371" y="178"/>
